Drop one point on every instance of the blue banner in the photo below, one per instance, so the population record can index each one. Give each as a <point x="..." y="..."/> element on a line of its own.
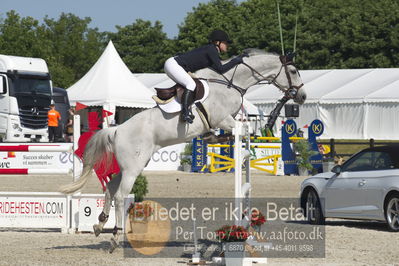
<point x="288" y="130"/>
<point x="199" y="159"/>
<point x="315" y="129"/>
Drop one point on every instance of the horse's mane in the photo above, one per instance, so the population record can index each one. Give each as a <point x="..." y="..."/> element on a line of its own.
<point x="250" y="51"/>
<point x="256" y="51"/>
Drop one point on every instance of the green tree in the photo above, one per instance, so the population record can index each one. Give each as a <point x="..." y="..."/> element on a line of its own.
<point x="20" y="36"/>
<point x="331" y="34"/>
<point x="259" y="26"/>
<point x="142" y="46"/>
<point x="251" y="24"/>
<point x="68" y="45"/>
<point x="217" y="14"/>
<point x="349" y="34"/>
<point x="73" y="47"/>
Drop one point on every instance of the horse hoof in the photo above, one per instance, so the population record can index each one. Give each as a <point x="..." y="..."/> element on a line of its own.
<point x="97" y="230"/>
<point x="113" y="245"/>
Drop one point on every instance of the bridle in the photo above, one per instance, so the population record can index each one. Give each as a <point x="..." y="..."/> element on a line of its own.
<point x="272" y="79"/>
<point x="292" y="89"/>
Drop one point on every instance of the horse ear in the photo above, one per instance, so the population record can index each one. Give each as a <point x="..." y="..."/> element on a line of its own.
<point x="290" y="56"/>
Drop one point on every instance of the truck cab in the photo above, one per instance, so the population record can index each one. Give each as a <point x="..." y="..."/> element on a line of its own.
<point x="62" y="105"/>
<point x="25" y="96"/>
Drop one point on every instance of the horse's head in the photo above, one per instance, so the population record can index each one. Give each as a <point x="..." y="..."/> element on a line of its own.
<point x="280" y="71"/>
<point x="289" y="79"/>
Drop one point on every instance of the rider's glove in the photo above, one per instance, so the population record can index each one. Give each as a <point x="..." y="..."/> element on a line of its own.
<point x="239" y="58"/>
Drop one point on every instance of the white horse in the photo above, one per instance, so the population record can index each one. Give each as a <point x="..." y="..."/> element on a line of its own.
<point x="135" y="141"/>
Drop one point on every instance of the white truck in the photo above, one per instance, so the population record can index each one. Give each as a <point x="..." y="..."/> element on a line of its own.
<point x="25" y="96"/>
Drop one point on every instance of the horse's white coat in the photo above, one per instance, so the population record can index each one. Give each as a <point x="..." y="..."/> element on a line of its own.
<point x="134" y="141"/>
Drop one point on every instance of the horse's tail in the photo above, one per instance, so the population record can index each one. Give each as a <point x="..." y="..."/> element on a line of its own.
<point x="98" y="150"/>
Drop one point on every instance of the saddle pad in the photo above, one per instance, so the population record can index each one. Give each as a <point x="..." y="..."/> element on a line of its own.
<point x="174" y="106"/>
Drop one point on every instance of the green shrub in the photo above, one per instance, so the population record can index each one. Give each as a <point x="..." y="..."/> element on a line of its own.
<point x="140" y="188"/>
<point x="303" y="153"/>
<point x="186" y="155"/>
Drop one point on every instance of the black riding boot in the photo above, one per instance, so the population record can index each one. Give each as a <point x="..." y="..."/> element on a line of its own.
<point x="186" y="113"/>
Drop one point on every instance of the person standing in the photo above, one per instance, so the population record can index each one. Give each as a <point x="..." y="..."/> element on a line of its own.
<point x="69" y="125"/>
<point x="53" y="118"/>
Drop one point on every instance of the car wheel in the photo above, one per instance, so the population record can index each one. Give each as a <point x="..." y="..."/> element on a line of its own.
<point x="313" y="211"/>
<point x="392" y="212"/>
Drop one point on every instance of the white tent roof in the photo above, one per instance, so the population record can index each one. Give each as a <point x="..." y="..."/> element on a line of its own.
<point x="388" y="93"/>
<point x="357" y="89"/>
<point x="338" y="86"/>
<point x="352" y="103"/>
<point x="151" y="80"/>
<point x="110" y="82"/>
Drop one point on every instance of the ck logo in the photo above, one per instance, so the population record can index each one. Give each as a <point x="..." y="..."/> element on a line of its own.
<point x="290" y="127"/>
<point x="317" y="127"/>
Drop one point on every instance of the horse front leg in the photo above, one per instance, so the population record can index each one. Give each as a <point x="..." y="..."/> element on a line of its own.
<point x="227" y="125"/>
<point x="112" y="187"/>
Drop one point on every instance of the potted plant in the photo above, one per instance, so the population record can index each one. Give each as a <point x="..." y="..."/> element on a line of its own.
<point x="140" y="188"/>
<point x="257" y="219"/>
<point x="303" y="153"/>
<point x="328" y="157"/>
<point x="186" y="157"/>
<point x="138" y="210"/>
<point x="233" y="238"/>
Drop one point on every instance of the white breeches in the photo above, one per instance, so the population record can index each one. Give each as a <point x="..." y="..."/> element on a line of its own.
<point x="178" y="74"/>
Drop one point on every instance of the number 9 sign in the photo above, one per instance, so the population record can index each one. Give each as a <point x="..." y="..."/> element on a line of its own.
<point x="87" y="214"/>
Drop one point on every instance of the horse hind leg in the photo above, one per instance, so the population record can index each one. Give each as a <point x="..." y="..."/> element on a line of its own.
<point x="129" y="175"/>
<point x="126" y="185"/>
<point x="112" y="187"/>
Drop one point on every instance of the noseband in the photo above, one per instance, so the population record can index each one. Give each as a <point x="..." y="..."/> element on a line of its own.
<point x="285" y="62"/>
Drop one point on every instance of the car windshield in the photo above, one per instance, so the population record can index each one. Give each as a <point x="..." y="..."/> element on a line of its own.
<point x="370" y="160"/>
<point x="32" y="85"/>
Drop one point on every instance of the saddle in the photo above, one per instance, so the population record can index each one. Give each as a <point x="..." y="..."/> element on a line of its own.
<point x="166" y="94"/>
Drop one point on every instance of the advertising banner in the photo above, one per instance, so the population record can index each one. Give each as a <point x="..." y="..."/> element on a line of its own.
<point x="166" y="159"/>
<point x="36" y="160"/>
<point x="87" y="207"/>
<point x="33" y="211"/>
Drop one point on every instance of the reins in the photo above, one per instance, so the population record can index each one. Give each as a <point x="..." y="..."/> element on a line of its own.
<point x="285" y="62"/>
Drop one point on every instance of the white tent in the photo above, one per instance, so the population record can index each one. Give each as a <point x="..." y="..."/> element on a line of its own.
<point x="352" y="103"/>
<point x="109" y="83"/>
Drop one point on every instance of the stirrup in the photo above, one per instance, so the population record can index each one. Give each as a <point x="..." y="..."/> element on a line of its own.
<point x="189" y="118"/>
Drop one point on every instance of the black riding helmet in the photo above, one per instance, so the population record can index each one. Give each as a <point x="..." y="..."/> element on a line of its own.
<point x="219" y="35"/>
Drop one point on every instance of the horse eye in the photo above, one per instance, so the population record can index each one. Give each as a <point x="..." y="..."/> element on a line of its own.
<point x="293" y="72"/>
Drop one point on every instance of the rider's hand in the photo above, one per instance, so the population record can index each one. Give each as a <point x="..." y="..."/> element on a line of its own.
<point x="244" y="54"/>
<point x="239" y="58"/>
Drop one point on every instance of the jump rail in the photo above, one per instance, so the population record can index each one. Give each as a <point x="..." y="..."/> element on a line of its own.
<point x="35" y="148"/>
<point x="29" y="171"/>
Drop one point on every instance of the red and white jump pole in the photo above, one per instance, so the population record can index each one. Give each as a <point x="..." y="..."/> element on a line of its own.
<point x="26" y="171"/>
<point x="45" y="148"/>
<point x="38" y="148"/>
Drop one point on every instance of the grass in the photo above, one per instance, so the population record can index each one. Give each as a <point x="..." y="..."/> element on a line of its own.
<point x="357" y="145"/>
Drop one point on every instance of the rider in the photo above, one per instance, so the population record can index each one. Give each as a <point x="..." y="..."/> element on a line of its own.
<point x="177" y="67"/>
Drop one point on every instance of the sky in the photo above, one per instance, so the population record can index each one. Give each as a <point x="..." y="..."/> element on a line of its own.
<point x="105" y="14"/>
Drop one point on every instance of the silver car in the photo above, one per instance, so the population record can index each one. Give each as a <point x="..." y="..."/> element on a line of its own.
<point x="365" y="187"/>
